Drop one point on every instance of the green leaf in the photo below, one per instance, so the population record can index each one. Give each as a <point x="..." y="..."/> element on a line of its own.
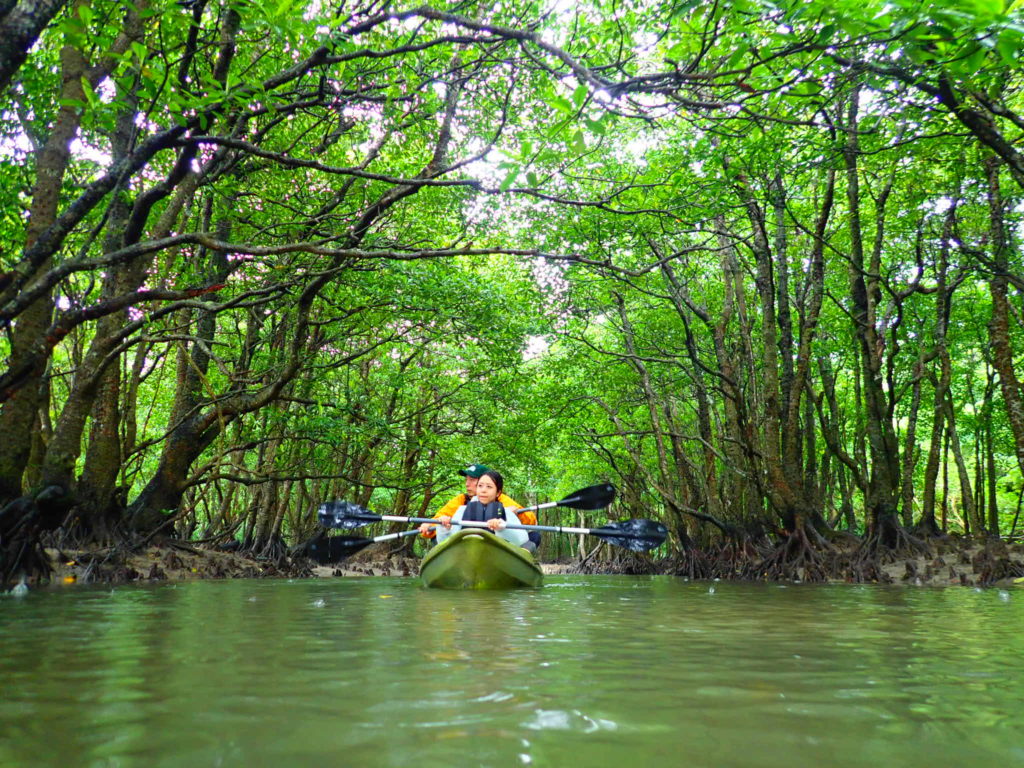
<point x="1008" y="46"/>
<point x="807" y="88"/>
<point x="683" y="8"/>
<point x="90" y="94"/>
<point x="283" y="6"/>
<point x="678" y="51"/>
<point x="510" y="178"/>
<point x="595" y="126"/>
<point x="578" y="142"/>
<point x="558" y="127"/>
<point x="976" y="60"/>
<point x="561" y="103"/>
<point x="579" y="96"/>
<point x="737" y="56"/>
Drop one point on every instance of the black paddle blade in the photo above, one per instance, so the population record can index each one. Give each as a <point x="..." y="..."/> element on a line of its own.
<point x="636" y="535"/>
<point x="346" y="546"/>
<point x="345" y="515"/>
<point x="334" y="549"/>
<point x="594" y="497"/>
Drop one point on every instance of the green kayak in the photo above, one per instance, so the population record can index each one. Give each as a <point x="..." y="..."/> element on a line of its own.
<point x="472" y="559"/>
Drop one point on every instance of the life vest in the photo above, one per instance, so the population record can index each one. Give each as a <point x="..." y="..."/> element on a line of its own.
<point x="476" y="511"/>
<point x="533" y="536"/>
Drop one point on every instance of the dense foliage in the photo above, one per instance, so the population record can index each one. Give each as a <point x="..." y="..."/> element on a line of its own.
<point x="756" y="262"/>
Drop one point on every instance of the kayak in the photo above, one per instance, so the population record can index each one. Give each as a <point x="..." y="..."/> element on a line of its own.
<point x="474" y="559"/>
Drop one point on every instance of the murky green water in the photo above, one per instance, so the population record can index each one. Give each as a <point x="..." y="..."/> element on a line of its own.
<point x="589" y="671"/>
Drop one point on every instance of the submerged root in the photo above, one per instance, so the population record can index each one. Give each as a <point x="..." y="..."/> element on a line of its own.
<point x="887" y="542"/>
<point x="693" y="563"/>
<point x="728" y="560"/>
<point x="618" y="561"/>
<point x="804" y="555"/>
<point x="993" y="563"/>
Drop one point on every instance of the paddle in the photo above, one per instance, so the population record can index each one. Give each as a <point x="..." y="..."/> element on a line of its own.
<point x="635" y="535"/>
<point x="346" y="515"/>
<point x="592" y="497"/>
<point x="346" y="546"/>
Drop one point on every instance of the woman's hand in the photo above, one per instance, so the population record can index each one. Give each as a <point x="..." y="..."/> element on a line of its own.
<point x="496" y="524"/>
<point x="444" y="520"/>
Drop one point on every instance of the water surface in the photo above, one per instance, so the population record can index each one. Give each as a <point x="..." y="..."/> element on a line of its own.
<point x="589" y="671"/>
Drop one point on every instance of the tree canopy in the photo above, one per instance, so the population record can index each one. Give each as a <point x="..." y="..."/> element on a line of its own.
<point x="755" y="261"/>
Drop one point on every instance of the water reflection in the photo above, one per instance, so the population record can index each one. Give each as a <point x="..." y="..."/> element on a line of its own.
<point x="587" y="671"/>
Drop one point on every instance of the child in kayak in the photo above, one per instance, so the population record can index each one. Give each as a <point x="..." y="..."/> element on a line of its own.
<point x="485" y="508"/>
<point x="473" y="473"/>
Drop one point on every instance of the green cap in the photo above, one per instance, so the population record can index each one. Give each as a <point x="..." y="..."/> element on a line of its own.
<point x="474" y="470"/>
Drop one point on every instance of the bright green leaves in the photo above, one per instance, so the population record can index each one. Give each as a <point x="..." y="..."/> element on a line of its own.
<point x="940" y="31"/>
<point x="595" y="126"/>
<point x="737" y="56"/>
<point x="560" y="104"/>
<point x="578" y="143"/>
<point x="755" y="89"/>
<point x="807" y="88"/>
<point x="283" y="7"/>
<point x="512" y="173"/>
<point x="1009" y="46"/>
<point x="74" y="27"/>
<point x="580" y="95"/>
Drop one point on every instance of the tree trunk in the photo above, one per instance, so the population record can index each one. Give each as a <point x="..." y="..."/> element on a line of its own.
<point x="990" y="457"/>
<point x="999" y="325"/>
<point x="972" y="519"/>
<point x="20" y="27"/>
<point x="910" y="451"/>
<point x="18" y="414"/>
<point x="32" y="338"/>
<point x="98" y="370"/>
<point x="684" y="305"/>
<point x="884" y="485"/>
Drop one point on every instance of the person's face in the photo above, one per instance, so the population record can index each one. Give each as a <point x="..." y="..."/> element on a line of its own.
<point x="471" y="485"/>
<point x="486" y="490"/>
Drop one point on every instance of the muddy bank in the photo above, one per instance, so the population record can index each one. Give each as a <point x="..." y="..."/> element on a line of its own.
<point x="168" y="562"/>
<point x="939" y="562"/>
<point x="180" y="561"/>
<point x="951" y="562"/>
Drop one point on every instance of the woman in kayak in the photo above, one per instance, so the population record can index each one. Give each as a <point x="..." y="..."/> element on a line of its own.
<point x="485" y="508"/>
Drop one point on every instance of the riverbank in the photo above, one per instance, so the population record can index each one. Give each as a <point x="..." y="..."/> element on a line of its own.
<point x="167" y="562"/>
<point x="951" y="562"/>
<point x="935" y="562"/>
<point x="179" y="561"/>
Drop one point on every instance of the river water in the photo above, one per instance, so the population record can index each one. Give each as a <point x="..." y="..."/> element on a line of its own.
<point x="588" y="671"/>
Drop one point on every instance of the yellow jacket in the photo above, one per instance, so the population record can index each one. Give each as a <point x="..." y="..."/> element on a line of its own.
<point x="449" y="509"/>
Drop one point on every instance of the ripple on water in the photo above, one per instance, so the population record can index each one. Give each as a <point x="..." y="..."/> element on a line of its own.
<point x="587" y="671"/>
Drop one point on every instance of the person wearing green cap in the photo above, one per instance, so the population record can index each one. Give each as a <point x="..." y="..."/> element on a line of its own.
<point x="472" y="473"/>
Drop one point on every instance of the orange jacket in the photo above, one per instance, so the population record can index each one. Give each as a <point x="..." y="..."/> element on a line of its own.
<point x="526" y="518"/>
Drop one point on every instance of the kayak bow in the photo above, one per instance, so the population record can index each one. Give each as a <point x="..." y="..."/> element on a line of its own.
<point x="475" y="559"/>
